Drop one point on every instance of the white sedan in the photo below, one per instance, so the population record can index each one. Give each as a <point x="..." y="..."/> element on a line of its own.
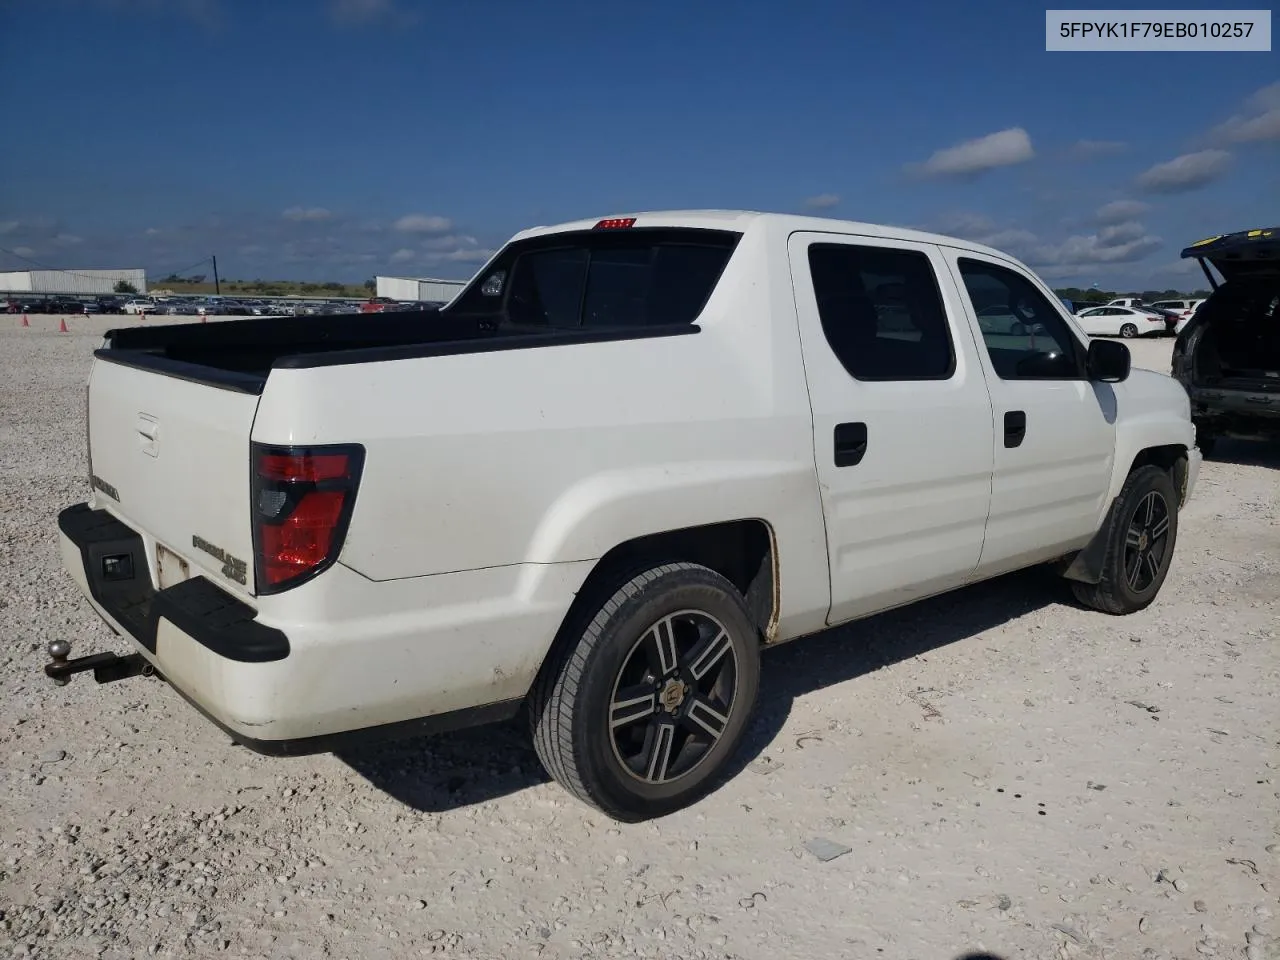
<point x="1120" y="322"/>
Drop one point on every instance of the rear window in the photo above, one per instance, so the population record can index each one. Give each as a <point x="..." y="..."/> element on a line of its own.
<point x="610" y="278"/>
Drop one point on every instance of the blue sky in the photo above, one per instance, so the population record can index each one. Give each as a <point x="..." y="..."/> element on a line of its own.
<point x="335" y="139"/>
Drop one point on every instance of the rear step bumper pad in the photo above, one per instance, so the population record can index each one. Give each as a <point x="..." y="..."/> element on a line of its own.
<point x="115" y="566"/>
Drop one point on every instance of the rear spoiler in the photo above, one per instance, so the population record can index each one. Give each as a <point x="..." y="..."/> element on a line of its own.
<point x="1232" y="252"/>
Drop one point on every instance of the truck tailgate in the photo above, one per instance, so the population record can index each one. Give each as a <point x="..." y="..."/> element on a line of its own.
<point x="170" y="457"/>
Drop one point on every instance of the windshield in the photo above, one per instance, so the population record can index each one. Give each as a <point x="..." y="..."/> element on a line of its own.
<point x="608" y="278"/>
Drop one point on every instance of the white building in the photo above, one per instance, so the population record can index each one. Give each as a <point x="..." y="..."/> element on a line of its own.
<point x="418" y="288"/>
<point x="70" y="281"/>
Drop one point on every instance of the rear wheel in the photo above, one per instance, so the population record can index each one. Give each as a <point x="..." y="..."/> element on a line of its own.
<point x="640" y="715"/>
<point x="1141" y="531"/>
<point x="1128" y="331"/>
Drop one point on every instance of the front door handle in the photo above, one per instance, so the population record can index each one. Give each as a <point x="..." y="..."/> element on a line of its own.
<point x="851" y="443"/>
<point x="1015" y="427"/>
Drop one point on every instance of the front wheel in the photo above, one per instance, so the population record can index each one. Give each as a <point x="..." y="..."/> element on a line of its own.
<point x="1142" y="528"/>
<point x="1128" y="331"/>
<point x="640" y="713"/>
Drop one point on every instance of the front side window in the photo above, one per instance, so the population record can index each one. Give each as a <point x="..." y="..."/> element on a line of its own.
<point x="1037" y="343"/>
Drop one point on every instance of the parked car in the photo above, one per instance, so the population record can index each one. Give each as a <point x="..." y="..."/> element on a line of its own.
<point x="1182" y="309"/>
<point x="1121" y="322"/>
<point x="336" y="528"/>
<point x="1228" y="355"/>
<point x="1130" y="302"/>
<point x="135" y="307"/>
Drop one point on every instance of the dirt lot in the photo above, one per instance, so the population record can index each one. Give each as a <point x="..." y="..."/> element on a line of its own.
<point x="1011" y="774"/>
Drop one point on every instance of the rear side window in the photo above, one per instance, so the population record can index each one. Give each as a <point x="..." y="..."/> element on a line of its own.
<point x="882" y="312"/>
<point x="603" y="279"/>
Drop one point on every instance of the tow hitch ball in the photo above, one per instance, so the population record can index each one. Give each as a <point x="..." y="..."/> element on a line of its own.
<point x="106" y="667"/>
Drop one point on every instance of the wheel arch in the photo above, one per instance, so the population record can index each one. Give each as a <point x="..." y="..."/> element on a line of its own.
<point x="743" y="551"/>
<point x="1086" y="565"/>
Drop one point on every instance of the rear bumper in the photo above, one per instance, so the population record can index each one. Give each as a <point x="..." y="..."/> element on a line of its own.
<point x="1246" y="414"/>
<point x="338" y="660"/>
<point x="111" y="562"/>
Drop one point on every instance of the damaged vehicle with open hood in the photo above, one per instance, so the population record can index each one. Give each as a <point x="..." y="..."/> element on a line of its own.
<point x="1228" y="355"/>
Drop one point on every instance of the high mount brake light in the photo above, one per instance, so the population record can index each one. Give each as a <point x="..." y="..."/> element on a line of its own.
<point x="302" y="503"/>
<point x="616" y="223"/>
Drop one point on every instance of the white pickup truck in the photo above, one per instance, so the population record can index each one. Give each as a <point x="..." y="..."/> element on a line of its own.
<point x="627" y="457"/>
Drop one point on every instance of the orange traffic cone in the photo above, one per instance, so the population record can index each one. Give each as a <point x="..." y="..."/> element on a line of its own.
<point x="25" y="322"/>
<point x="62" y="325"/>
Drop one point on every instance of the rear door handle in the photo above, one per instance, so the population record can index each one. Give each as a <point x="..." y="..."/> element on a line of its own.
<point x="850" y="443"/>
<point x="1015" y="427"/>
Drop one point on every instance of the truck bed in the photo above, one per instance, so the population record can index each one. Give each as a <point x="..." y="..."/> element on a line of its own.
<point x="239" y="354"/>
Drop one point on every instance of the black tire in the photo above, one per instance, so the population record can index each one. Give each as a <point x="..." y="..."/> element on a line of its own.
<point x="622" y="753"/>
<point x="1140" y="545"/>
<point x="1128" y="331"/>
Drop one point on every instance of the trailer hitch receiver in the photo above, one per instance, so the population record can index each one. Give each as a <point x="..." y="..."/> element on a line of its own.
<point x="106" y="667"/>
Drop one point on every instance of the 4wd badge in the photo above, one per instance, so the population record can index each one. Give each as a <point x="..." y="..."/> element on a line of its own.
<point x="233" y="568"/>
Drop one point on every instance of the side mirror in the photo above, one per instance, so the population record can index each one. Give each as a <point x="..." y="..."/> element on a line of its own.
<point x="1107" y="361"/>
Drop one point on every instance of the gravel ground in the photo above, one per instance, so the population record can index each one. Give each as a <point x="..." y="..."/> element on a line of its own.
<point x="994" y="770"/>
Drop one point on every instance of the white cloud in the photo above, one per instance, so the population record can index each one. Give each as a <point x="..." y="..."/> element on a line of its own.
<point x="450" y="241"/>
<point x="979" y="228"/>
<point x="9" y="226"/>
<point x="823" y="201"/>
<point x="1121" y="242"/>
<point x="1001" y="149"/>
<point x="1187" y="172"/>
<point x="467" y="256"/>
<point x="152" y="232"/>
<point x="1259" y="120"/>
<point x="67" y="240"/>
<point x="1118" y="211"/>
<point x="307" y="214"/>
<point x="423" y="223"/>
<point x="962" y="223"/>
<point x="1118" y="243"/>
<point x="405" y="255"/>
<point x="24" y="251"/>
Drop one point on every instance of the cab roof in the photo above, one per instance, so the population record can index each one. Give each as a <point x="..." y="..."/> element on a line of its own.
<point x="741" y="220"/>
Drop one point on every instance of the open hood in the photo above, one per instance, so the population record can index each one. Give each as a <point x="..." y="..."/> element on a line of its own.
<point x="1246" y="253"/>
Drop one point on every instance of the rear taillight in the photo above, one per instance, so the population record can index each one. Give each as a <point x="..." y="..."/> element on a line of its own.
<point x="302" y="502"/>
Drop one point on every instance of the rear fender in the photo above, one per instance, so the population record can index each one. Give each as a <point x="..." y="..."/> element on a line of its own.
<point x="609" y="508"/>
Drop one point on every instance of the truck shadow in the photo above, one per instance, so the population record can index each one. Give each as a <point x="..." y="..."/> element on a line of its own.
<point x="1246" y="453"/>
<point x="452" y="771"/>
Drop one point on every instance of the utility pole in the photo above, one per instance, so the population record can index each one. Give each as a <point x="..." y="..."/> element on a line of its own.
<point x="217" y="288"/>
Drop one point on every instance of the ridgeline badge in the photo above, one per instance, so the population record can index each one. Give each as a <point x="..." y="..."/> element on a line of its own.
<point x="233" y="568"/>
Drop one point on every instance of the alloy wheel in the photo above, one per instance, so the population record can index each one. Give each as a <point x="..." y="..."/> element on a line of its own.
<point x="1146" y="542"/>
<point x="673" y="697"/>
